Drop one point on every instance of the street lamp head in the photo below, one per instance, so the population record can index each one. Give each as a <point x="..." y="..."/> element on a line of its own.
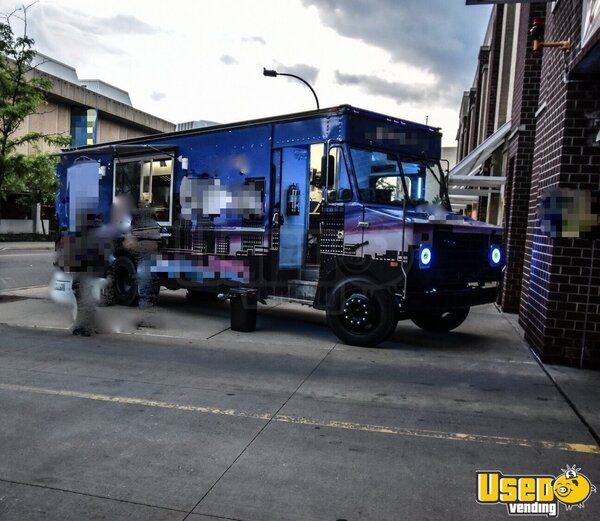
<point x="273" y="73"/>
<point x="269" y="72"/>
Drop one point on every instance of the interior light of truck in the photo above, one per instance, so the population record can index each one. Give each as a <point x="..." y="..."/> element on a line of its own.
<point x="424" y="257"/>
<point x="495" y="256"/>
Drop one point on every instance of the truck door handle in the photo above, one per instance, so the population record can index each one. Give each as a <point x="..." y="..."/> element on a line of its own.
<point x="277" y="219"/>
<point x="363" y="224"/>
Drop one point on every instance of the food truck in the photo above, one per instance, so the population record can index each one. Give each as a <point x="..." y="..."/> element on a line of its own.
<point x="341" y="209"/>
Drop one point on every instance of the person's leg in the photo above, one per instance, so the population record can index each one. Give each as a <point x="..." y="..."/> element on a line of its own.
<point x="85" y="321"/>
<point x="147" y="291"/>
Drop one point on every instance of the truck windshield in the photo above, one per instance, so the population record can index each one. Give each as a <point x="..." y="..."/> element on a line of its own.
<point x="384" y="177"/>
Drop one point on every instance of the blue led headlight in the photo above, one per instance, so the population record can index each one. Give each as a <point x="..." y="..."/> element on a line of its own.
<point x="495" y="255"/>
<point x="425" y="256"/>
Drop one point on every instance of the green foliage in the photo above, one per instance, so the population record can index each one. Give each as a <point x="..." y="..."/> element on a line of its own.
<point x="22" y="92"/>
<point x="35" y="178"/>
<point x="26" y="237"/>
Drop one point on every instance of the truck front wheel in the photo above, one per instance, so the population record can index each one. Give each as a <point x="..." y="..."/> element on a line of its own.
<point x="440" y="321"/>
<point x="360" y="315"/>
<point x="125" y="290"/>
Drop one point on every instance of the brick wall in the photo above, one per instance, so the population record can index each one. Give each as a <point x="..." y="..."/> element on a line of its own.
<point x="464" y="134"/>
<point x="494" y="71"/>
<point x="520" y="156"/>
<point x="482" y="208"/>
<point x="478" y="94"/>
<point x="560" y="304"/>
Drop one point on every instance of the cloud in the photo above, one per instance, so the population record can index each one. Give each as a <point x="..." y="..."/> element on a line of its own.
<point x="436" y="35"/>
<point x="86" y="33"/>
<point x="228" y="60"/>
<point x="401" y="93"/>
<point x="254" y="39"/>
<point x="122" y="23"/>
<point x="92" y="25"/>
<point x="306" y="72"/>
<point x="157" y="96"/>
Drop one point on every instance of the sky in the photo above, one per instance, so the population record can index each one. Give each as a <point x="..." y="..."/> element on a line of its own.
<point x="184" y="60"/>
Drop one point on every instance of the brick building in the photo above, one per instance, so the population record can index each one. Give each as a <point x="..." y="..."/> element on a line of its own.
<point x="485" y="116"/>
<point x="549" y="155"/>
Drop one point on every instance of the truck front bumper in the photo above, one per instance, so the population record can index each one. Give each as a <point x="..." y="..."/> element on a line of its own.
<point x="448" y="299"/>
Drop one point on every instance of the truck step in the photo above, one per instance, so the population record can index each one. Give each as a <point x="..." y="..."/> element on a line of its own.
<point x="309" y="274"/>
<point x="302" y="289"/>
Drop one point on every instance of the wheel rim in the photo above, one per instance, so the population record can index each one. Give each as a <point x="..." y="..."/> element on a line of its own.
<point x="359" y="313"/>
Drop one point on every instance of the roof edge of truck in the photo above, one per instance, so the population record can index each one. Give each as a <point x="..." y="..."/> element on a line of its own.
<point x="340" y="109"/>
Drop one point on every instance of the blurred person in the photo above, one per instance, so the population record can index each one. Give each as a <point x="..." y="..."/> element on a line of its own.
<point x="84" y="256"/>
<point x="87" y="254"/>
<point x="144" y="242"/>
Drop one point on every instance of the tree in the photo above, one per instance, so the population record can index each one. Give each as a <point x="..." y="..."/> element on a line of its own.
<point x="22" y="93"/>
<point x="35" y="179"/>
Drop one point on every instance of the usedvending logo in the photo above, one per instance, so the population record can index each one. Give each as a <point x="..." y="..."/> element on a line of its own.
<point x="534" y="494"/>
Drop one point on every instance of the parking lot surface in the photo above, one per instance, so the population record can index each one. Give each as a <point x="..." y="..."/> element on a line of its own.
<point x="190" y="420"/>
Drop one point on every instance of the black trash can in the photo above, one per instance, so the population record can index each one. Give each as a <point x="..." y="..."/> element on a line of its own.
<point x="242" y="308"/>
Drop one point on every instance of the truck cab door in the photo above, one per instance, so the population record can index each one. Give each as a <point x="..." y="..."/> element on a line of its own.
<point x="340" y="214"/>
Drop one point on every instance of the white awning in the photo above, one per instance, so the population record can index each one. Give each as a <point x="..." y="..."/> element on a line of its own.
<point x="487" y="181"/>
<point x="472" y="162"/>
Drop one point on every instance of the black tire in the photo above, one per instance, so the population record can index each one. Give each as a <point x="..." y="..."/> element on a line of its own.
<point x="440" y="321"/>
<point x="125" y="289"/>
<point x="360" y="315"/>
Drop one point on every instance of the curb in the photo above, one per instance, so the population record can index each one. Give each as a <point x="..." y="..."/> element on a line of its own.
<point x="11" y="246"/>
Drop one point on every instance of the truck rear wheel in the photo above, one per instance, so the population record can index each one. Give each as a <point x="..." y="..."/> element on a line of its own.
<point x="125" y="289"/>
<point x="440" y="321"/>
<point x="360" y="315"/>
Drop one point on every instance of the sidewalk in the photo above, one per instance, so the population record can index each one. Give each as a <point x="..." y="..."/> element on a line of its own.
<point x="579" y="386"/>
<point x="178" y="318"/>
<point x="41" y="245"/>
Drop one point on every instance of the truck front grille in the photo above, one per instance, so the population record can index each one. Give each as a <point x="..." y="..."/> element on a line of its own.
<point x="460" y="255"/>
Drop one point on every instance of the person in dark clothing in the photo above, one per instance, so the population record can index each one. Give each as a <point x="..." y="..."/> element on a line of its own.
<point x="144" y="242"/>
<point x="84" y="256"/>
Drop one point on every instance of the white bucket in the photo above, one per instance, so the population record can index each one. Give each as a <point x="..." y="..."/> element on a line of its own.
<point x="61" y="288"/>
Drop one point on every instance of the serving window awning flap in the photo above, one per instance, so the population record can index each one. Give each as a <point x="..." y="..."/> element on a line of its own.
<point x="472" y="162"/>
<point x="120" y="149"/>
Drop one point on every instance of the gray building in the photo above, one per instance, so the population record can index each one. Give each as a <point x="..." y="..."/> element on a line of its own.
<point x="90" y="111"/>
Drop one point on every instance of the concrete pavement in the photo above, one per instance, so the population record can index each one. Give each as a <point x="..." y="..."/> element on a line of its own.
<point x="178" y="318"/>
<point x="190" y="420"/>
<point x="27" y="245"/>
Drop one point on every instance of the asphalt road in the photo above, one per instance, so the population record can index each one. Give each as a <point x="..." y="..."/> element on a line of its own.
<point x="280" y="424"/>
<point x="25" y="268"/>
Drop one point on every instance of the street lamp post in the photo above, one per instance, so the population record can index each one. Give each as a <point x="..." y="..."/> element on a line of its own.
<point x="273" y="74"/>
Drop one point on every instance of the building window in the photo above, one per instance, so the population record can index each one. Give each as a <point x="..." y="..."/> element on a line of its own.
<point x="84" y="126"/>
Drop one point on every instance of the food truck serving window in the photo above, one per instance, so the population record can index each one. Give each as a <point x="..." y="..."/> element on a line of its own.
<point x="148" y="179"/>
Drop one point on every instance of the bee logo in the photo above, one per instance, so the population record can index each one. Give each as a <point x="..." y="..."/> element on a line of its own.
<point x="572" y="488"/>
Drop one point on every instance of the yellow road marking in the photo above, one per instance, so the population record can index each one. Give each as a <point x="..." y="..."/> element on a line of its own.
<point x="441" y="435"/>
<point x="133" y="401"/>
<point x="333" y="424"/>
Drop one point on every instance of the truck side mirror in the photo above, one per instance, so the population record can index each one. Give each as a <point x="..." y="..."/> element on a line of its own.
<point x="328" y="170"/>
<point x="316" y="178"/>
